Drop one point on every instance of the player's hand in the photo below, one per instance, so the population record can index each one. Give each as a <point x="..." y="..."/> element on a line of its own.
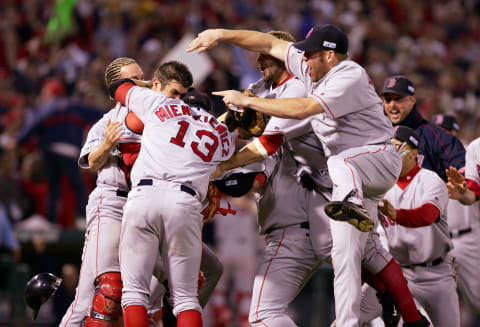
<point x="113" y="132"/>
<point x="387" y="209"/>
<point x="233" y="97"/>
<point x="217" y="173"/>
<point x="142" y="83"/>
<point x="456" y="185"/>
<point x="205" y="40"/>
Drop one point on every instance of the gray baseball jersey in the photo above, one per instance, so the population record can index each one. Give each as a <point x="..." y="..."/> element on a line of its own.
<point x="353" y="114"/>
<point x="273" y="211"/>
<point x="472" y="166"/>
<point x="416" y="245"/>
<point x="104" y="216"/>
<point x="464" y="226"/>
<point x="298" y="136"/>
<point x="194" y="145"/>
<point x="111" y="174"/>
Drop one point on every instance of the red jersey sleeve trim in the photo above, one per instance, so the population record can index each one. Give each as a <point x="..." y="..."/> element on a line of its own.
<point x="271" y="143"/>
<point x="474" y="187"/>
<point x="424" y="215"/>
<point x="122" y="90"/>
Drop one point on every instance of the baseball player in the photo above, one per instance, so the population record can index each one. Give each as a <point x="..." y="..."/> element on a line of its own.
<point x="415" y="224"/>
<point x="348" y="119"/>
<point x="439" y="149"/>
<point x="279" y="209"/>
<point x="465" y="234"/>
<point x="179" y="152"/>
<point x="464" y="228"/>
<point x="100" y="284"/>
<point x="110" y="149"/>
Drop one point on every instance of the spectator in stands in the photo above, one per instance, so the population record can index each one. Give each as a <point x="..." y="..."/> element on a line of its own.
<point x="60" y="126"/>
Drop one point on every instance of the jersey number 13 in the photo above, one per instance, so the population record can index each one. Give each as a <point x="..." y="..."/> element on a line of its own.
<point x="211" y="141"/>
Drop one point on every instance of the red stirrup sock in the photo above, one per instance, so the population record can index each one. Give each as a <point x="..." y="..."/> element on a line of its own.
<point x="396" y="284"/>
<point x="189" y="318"/>
<point x="136" y="316"/>
<point x="373" y="281"/>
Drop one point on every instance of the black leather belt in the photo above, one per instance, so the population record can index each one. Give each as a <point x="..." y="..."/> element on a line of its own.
<point x="122" y="193"/>
<point x="460" y="232"/>
<point x="305" y="225"/>
<point x="434" y="262"/>
<point x="183" y="188"/>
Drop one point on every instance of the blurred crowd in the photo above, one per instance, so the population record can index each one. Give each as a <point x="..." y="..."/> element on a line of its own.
<point x="53" y="55"/>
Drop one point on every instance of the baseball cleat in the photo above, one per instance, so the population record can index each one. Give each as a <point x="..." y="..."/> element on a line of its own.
<point x="423" y="322"/>
<point x="350" y="213"/>
<point x="390" y="315"/>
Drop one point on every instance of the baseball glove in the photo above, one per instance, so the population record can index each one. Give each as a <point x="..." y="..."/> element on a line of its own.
<point x="213" y="197"/>
<point x="251" y="121"/>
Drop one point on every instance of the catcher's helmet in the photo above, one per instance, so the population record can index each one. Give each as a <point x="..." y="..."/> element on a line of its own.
<point x="39" y="289"/>
<point x="197" y="99"/>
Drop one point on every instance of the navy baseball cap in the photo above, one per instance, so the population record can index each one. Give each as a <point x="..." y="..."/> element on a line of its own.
<point x="448" y="122"/>
<point x="406" y="134"/>
<point x="324" y="37"/>
<point x="399" y="85"/>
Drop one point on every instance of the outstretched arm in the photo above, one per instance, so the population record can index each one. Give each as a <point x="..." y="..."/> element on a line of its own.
<point x="295" y="108"/>
<point x="247" y="155"/>
<point x="457" y="187"/>
<point x="249" y="40"/>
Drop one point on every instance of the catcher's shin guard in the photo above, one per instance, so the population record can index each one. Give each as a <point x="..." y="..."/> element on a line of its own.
<point x="106" y="307"/>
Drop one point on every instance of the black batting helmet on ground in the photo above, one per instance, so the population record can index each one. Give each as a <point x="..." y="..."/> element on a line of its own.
<point x="39" y="289"/>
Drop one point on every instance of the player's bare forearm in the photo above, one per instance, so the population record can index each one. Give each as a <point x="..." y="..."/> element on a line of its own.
<point x="468" y="198"/>
<point x="246" y="39"/>
<point x="142" y="83"/>
<point x="247" y="155"/>
<point x="99" y="157"/>
<point x="294" y="108"/>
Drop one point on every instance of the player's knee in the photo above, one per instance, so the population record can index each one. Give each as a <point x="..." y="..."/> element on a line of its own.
<point x="108" y="295"/>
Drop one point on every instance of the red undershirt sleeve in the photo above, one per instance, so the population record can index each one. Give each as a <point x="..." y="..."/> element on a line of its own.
<point x="424" y="215"/>
<point x="122" y="90"/>
<point x="474" y="187"/>
<point x="261" y="179"/>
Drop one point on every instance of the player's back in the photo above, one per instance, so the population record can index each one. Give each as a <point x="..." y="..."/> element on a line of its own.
<point x="177" y="145"/>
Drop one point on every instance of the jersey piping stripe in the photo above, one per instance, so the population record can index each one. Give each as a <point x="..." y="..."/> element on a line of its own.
<point x="287" y="61"/>
<point x="98" y="236"/>
<point x="266" y="273"/>
<point x="79" y="278"/>
<point x="376" y="248"/>
<point x="357" y="155"/>
<point x="324" y="105"/>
